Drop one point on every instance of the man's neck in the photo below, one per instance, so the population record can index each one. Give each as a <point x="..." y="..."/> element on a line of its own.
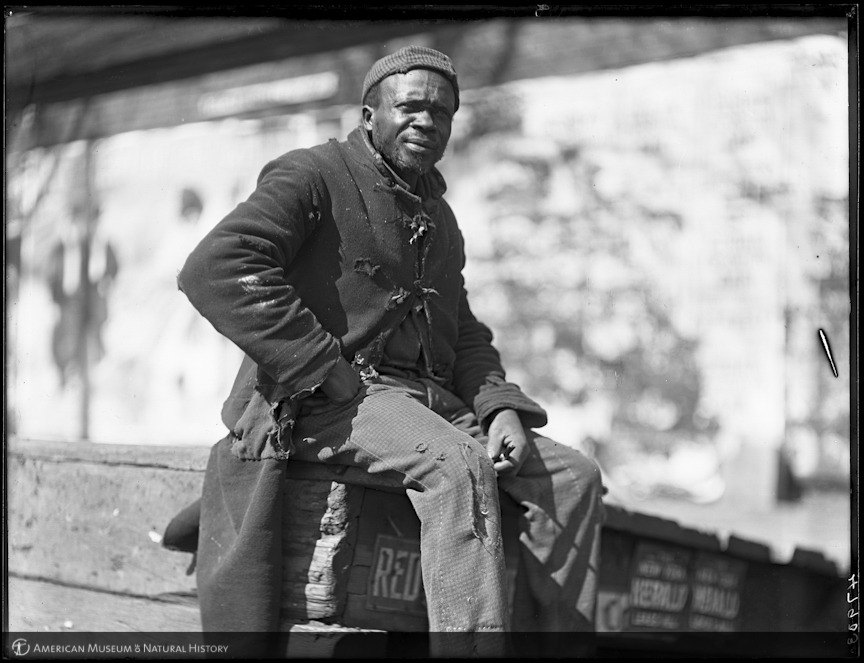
<point x="409" y="184"/>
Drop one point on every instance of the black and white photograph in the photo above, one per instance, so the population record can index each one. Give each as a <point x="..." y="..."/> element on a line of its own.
<point x="431" y="331"/>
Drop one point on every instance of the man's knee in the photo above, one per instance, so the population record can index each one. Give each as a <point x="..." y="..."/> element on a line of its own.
<point x="466" y="463"/>
<point x="574" y="464"/>
<point x="588" y="471"/>
<point x="454" y="462"/>
<point x="465" y="477"/>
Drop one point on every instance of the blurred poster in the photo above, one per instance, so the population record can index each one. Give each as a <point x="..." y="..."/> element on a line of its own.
<point x="106" y="347"/>
<point x="717" y="586"/>
<point x="677" y="589"/>
<point x="659" y="588"/>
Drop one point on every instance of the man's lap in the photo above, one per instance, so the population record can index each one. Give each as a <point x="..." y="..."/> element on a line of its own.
<point x="401" y="418"/>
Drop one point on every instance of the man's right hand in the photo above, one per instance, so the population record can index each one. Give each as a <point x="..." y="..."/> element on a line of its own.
<point x="343" y="382"/>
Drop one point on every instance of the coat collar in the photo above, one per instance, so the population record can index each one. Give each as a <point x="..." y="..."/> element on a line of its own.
<point x="430" y="185"/>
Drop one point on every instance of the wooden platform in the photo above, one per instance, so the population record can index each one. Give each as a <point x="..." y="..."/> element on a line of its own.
<point x="85" y="555"/>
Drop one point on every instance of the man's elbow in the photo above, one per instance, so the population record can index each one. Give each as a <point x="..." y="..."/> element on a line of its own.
<point x="195" y="276"/>
<point x="186" y="277"/>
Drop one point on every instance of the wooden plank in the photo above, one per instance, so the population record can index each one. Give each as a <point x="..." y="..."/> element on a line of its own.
<point x="309" y="601"/>
<point x="357" y="614"/>
<point x="35" y="605"/>
<point x="316" y="639"/>
<point x="84" y="526"/>
<point x="316" y="569"/>
<point x="358" y="578"/>
<point x="318" y="545"/>
<point x="97" y="526"/>
<point x="363" y="554"/>
<point x="747" y="550"/>
<point x="191" y="459"/>
<point x="386" y="513"/>
<point x="661" y="529"/>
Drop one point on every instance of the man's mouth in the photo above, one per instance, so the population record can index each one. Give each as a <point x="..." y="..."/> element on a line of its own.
<point x="420" y="145"/>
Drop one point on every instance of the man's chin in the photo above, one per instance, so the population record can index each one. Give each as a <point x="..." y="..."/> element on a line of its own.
<point x="416" y="166"/>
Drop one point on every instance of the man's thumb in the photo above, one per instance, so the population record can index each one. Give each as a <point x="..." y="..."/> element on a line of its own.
<point x="493" y="446"/>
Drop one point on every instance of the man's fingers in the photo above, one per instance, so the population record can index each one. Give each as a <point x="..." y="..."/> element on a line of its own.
<point x="510" y="458"/>
<point x="507" y="466"/>
<point x="493" y="446"/>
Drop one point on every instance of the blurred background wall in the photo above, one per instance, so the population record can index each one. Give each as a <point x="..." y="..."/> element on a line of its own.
<point x="656" y="212"/>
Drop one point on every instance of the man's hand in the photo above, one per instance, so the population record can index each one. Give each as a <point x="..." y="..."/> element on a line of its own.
<point x="508" y="444"/>
<point x="342" y="384"/>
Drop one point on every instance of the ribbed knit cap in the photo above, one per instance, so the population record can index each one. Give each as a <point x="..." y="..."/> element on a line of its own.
<point x="406" y="59"/>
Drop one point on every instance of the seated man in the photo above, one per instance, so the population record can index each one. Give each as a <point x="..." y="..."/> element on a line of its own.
<point x="341" y="279"/>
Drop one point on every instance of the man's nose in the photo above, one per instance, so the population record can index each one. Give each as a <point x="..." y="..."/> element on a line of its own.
<point x="424" y="120"/>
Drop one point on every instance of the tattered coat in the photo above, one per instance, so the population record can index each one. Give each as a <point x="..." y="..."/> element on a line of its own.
<point x="326" y="258"/>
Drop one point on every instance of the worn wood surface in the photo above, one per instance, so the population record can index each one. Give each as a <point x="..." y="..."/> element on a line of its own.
<point x="86" y="520"/>
<point x="84" y="547"/>
<point x="188" y="458"/>
<point x="48" y="607"/>
<point x="96" y="525"/>
<point x="36" y="605"/>
<point x="318" y="532"/>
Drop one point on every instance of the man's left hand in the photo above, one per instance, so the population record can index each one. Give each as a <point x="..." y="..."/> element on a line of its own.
<point x="508" y="444"/>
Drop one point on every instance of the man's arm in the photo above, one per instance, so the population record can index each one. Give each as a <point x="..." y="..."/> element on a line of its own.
<point x="235" y="277"/>
<point x="480" y="378"/>
<point x="503" y="411"/>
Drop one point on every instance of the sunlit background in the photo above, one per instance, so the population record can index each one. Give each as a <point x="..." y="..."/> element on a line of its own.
<point x="656" y="214"/>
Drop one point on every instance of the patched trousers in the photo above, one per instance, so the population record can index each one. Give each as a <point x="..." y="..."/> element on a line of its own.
<point x="415" y="433"/>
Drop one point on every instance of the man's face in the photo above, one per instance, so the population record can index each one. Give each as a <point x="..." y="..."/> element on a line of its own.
<point x="411" y="125"/>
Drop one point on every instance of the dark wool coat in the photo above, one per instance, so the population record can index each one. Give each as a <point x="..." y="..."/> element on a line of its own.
<point x="326" y="258"/>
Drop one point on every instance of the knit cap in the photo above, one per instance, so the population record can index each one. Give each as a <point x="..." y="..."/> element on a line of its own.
<point x="408" y="58"/>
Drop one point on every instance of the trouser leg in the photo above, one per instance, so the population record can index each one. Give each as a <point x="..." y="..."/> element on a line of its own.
<point x="451" y="483"/>
<point x="560" y="493"/>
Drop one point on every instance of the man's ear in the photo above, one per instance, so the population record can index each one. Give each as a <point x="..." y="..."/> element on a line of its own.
<point x="368" y="113"/>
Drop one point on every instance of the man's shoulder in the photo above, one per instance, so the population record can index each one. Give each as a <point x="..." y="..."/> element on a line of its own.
<point x="307" y="162"/>
<point x="312" y="154"/>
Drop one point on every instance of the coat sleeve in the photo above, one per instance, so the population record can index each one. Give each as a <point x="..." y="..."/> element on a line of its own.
<point x="479" y="377"/>
<point x="235" y="277"/>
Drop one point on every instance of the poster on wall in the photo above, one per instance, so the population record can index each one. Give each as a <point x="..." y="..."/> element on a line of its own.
<point x="103" y="345"/>
<point x="659" y="588"/>
<point x="683" y="590"/>
<point x="717" y="585"/>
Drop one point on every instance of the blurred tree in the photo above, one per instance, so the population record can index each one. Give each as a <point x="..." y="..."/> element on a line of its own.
<point x="565" y="276"/>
